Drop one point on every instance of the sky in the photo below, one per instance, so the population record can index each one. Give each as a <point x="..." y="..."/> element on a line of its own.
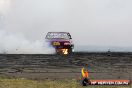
<point x="103" y="23"/>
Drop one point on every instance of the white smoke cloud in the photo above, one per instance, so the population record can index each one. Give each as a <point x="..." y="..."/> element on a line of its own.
<point x="4" y="6"/>
<point x="14" y="43"/>
<point x="17" y="44"/>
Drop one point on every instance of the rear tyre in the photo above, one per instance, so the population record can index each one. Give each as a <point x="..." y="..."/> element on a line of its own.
<point x="69" y="51"/>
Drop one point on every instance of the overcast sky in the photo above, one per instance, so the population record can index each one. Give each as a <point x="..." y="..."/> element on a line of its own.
<point x="90" y="22"/>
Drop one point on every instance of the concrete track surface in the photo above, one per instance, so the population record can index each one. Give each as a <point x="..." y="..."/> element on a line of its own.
<point x="39" y="66"/>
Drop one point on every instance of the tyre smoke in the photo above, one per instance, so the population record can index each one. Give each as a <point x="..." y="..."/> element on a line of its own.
<point x="16" y="44"/>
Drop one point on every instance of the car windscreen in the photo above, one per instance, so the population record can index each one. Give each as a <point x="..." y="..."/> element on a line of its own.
<point x="56" y="35"/>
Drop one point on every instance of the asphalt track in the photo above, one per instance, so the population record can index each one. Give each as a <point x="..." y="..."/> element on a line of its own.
<point x="103" y="65"/>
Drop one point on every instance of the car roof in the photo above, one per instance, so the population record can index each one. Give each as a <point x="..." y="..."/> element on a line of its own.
<point x="58" y="32"/>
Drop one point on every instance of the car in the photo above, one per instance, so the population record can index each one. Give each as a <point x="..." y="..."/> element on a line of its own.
<point x="61" y="41"/>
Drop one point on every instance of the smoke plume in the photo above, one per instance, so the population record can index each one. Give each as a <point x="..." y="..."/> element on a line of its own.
<point x="16" y="42"/>
<point x="12" y="44"/>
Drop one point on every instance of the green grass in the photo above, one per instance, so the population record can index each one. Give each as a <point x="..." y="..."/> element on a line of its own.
<point x="27" y="83"/>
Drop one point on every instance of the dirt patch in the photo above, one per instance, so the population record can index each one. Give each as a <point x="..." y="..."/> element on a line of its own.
<point x="99" y="65"/>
